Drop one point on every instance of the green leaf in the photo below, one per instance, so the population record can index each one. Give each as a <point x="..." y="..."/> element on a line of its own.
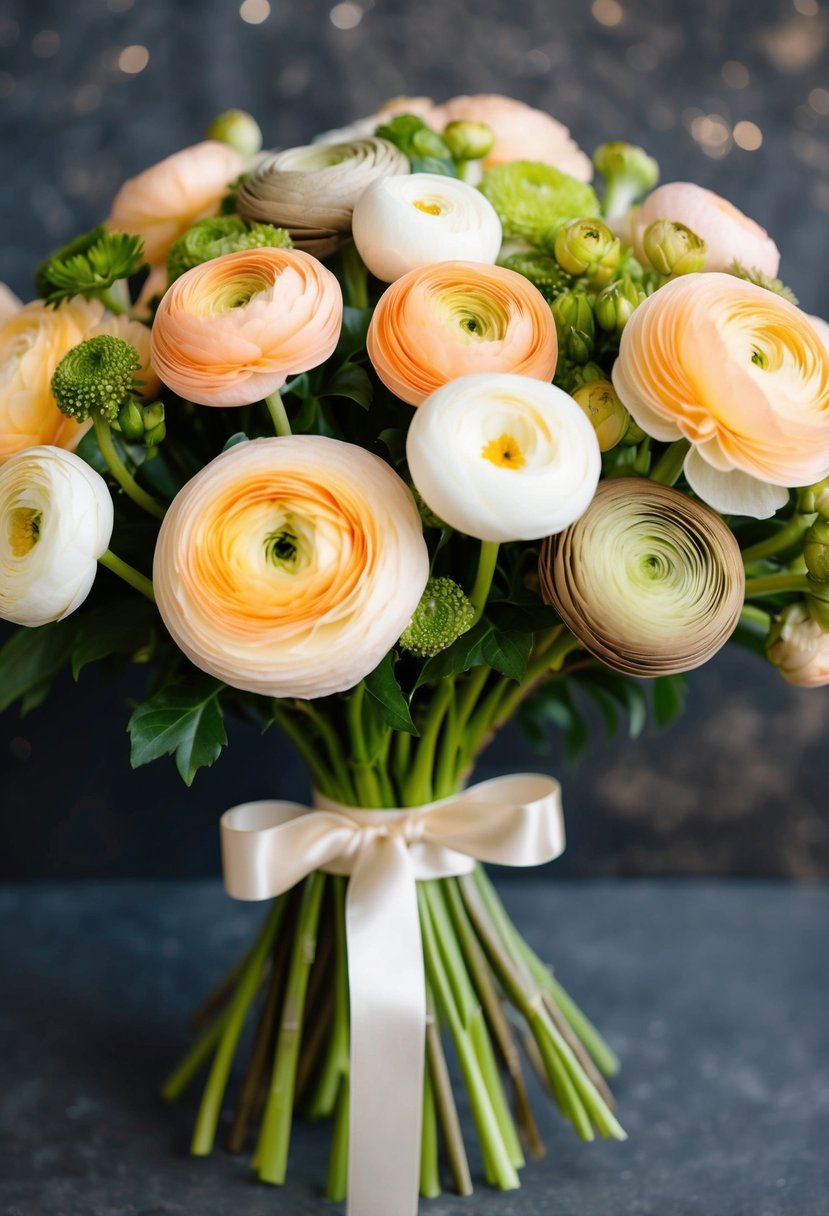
<point x="507" y="651"/>
<point x="350" y="381"/>
<point x="90" y="265"/>
<point x="119" y="627"/>
<point x="466" y="652"/>
<point x="237" y="437"/>
<point x="522" y="618"/>
<point x="183" y="718"/>
<point x="668" y="698"/>
<point x="352" y="338"/>
<point x="384" y="690"/>
<point x="30" y="659"/>
<point x="394" y="438"/>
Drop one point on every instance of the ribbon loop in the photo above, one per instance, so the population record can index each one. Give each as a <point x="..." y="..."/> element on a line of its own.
<point x="268" y="847"/>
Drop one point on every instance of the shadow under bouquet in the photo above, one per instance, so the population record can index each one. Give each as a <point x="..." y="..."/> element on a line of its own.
<point x="384" y="441"/>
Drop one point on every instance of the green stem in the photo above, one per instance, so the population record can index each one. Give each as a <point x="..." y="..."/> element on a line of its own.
<point x="429" y="1172"/>
<point x="336" y="1188"/>
<point x="784" y="538"/>
<point x="619" y="196"/>
<point x="204" y="1133"/>
<point x="339" y="765"/>
<point x="275" y="1132"/>
<point x="336" y="1065"/>
<point x="446" y="776"/>
<point x="276" y="409"/>
<point x="305" y="746"/>
<point x="450" y="1124"/>
<point x="114" y="298"/>
<point x="365" y="778"/>
<point x="487" y="562"/>
<point x="355" y="277"/>
<point x="128" y="573"/>
<point x="752" y="615"/>
<point x="120" y="472"/>
<point x="182" y="1077"/>
<point x="667" y="469"/>
<point x="642" y="459"/>
<point x="771" y="584"/>
<point x="419" y="786"/>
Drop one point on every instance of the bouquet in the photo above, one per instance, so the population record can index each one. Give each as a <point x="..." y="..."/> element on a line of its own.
<point x="383" y="441"/>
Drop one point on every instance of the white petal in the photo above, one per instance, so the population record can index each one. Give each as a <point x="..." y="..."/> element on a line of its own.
<point x="734" y="492"/>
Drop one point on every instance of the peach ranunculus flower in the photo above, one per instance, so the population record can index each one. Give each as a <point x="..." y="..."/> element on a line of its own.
<point x="32" y="343"/>
<point x="729" y="235"/>
<point x="289" y="567"/>
<point x="164" y="201"/>
<point x="799" y="648"/>
<point x="457" y="318"/>
<point x="229" y="332"/>
<point x="740" y="373"/>
<point x="521" y="132"/>
<point x="362" y="127"/>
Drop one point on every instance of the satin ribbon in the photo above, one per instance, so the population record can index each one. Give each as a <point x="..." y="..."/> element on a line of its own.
<point x="268" y="847"/>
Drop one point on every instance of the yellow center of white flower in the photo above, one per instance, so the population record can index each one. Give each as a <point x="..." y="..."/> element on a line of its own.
<point x="23" y="530"/>
<point x="427" y="207"/>
<point x="505" y="452"/>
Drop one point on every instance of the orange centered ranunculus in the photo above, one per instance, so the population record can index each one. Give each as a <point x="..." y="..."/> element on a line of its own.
<point x="290" y="566"/>
<point x="742" y="375"/>
<point x="454" y="319"/>
<point x="232" y="330"/>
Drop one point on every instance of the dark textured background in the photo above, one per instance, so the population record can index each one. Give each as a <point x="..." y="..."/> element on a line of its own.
<point x="738" y="786"/>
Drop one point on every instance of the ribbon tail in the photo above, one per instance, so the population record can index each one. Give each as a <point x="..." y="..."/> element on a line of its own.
<point x="388" y="1020"/>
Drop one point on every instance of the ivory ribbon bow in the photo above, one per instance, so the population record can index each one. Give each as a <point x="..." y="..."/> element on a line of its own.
<point x="268" y="847"/>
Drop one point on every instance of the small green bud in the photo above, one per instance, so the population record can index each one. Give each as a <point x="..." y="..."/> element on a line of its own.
<point x="816" y="550"/>
<point x="443" y="614"/>
<point x="814" y="498"/>
<point x="673" y="249"/>
<point x="156" y="435"/>
<point x="239" y="129"/>
<point x="131" y="421"/>
<point x="633" y="435"/>
<point x="818" y="604"/>
<point x="585" y="373"/>
<point x="615" y="304"/>
<point x="588" y="247"/>
<point x="628" y="172"/>
<point x="95" y="377"/>
<point x="154" y="427"/>
<point x="469" y="140"/>
<point x="608" y="417"/>
<point x="543" y="272"/>
<point x="575" y="326"/>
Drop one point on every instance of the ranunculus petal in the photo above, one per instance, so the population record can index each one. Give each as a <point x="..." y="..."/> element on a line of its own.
<point x="733" y="492"/>
<point x="289" y="567"/>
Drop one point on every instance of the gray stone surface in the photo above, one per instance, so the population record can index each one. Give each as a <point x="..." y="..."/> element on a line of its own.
<point x="715" y="994"/>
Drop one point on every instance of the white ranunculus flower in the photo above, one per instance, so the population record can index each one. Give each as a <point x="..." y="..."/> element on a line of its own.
<point x="418" y="219"/>
<point x="56" y="519"/>
<point x="503" y="457"/>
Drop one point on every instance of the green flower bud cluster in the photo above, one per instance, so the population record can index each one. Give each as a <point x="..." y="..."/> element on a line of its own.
<point x="673" y="249"/>
<point x="443" y="614"/>
<point x="427" y="151"/>
<point x="615" y="304"/>
<point x="543" y="272"/>
<point x="239" y="129"/>
<point x="587" y="248"/>
<point x="142" y="423"/>
<point x="573" y="315"/>
<point x="468" y="140"/>
<point x="608" y="417"/>
<point x="763" y="280"/>
<point x="210" y="238"/>
<point x="572" y="376"/>
<point x="533" y="200"/>
<point x="95" y="378"/>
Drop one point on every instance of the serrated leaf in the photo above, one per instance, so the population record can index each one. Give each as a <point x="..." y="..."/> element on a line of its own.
<point x="384" y="690"/>
<point x="183" y="718"/>
<point x="350" y="381"/>
<point x="120" y="627"/>
<point x="29" y="660"/>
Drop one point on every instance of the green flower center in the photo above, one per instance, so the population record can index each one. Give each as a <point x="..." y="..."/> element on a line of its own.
<point x="23" y="530"/>
<point x="282" y="549"/>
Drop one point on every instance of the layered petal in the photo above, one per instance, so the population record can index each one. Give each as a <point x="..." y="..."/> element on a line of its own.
<point x="289" y="567"/>
<point x="457" y="318"/>
<point x="503" y="457"/>
<point x="232" y="330"/>
<point x="799" y="648"/>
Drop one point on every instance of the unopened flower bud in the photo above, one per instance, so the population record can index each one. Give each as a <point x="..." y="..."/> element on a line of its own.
<point x="575" y="325"/>
<point x="816" y="550"/>
<point x="671" y="248"/>
<point x="155" y="429"/>
<point x="818" y="604"/>
<point x="443" y="614"/>
<point x="798" y="645"/>
<point x="469" y="140"/>
<point x="95" y="377"/>
<point x="814" y="498"/>
<point x="588" y="247"/>
<point x="633" y="435"/>
<point x="239" y="129"/>
<point x="616" y="302"/>
<point x="583" y="373"/>
<point x="131" y="421"/>
<point x="628" y="172"/>
<point x="608" y="417"/>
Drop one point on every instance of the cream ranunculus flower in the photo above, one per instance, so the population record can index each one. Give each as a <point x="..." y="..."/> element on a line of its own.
<point x="289" y="567"/>
<point x="740" y="373"/>
<point x="9" y="303"/>
<point x="799" y="648"/>
<point x="729" y="235"/>
<point x="33" y="340"/>
<point x="56" y="519"/>
<point x="417" y="219"/>
<point x="165" y="200"/>
<point x="503" y="457"/>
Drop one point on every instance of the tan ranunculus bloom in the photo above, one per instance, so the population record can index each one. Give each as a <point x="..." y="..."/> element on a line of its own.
<point x="290" y="566"/>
